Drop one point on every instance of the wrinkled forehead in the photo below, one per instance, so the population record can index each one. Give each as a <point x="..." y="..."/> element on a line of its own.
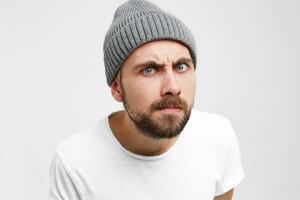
<point x="160" y="51"/>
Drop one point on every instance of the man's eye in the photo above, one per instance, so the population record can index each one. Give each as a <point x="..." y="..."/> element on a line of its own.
<point x="149" y="70"/>
<point x="181" y="67"/>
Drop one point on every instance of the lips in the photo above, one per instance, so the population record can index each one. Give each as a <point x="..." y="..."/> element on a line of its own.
<point x="170" y="109"/>
<point x="169" y="104"/>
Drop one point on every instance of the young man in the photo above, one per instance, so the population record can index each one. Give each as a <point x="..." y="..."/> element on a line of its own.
<point x="159" y="147"/>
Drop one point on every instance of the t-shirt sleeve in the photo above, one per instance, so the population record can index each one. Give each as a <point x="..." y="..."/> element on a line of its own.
<point x="62" y="185"/>
<point x="233" y="171"/>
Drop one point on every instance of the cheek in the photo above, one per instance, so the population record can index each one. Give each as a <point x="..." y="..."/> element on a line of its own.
<point x="141" y="94"/>
<point x="188" y="88"/>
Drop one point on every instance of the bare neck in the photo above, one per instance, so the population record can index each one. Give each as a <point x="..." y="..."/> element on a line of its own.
<point x="133" y="140"/>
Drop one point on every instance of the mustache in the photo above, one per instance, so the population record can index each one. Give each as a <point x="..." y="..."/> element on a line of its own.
<point x="169" y="102"/>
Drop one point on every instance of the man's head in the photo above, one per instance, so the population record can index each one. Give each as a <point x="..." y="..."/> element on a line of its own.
<point x="150" y="60"/>
<point x="157" y="87"/>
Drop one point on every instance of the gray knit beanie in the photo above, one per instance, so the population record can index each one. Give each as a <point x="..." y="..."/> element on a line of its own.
<point x="136" y="22"/>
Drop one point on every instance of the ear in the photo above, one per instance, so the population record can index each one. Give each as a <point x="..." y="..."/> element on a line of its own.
<point x="116" y="89"/>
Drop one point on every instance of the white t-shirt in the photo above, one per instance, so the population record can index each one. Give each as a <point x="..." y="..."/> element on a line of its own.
<point x="204" y="162"/>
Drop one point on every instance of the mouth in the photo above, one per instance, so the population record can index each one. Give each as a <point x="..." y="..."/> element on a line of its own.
<point x="170" y="109"/>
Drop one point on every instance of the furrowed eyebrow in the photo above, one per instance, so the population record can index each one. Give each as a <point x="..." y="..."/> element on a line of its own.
<point x="155" y="64"/>
<point x="183" y="60"/>
<point x="147" y="63"/>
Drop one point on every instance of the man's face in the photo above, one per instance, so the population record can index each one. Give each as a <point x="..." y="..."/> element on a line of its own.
<point x="158" y="87"/>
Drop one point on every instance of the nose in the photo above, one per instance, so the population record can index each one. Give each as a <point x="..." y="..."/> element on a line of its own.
<point x="169" y="84"/>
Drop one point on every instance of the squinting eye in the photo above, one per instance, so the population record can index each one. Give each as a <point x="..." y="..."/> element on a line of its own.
<point x="148" y="70"/>
<point x="181" y="67"/>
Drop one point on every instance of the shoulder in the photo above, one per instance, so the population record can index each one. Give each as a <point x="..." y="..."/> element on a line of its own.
<point x="82" y="144"/>
<point x="208" y="117"/>
<point x="210" y="126"/>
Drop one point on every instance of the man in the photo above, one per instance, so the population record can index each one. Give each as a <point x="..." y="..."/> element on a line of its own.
<point x="159" y="147"/>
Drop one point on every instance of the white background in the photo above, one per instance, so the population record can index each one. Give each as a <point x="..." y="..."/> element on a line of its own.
<point x="52" y="84"/>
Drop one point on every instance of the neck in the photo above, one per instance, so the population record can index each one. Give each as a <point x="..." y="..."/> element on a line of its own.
<point x="133" y="140"/>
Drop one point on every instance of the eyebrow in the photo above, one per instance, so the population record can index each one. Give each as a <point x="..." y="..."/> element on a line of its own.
<point x="153" y="63"/>
<point x="183" y="60"/>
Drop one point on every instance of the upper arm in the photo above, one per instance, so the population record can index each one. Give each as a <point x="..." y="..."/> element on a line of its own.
<point x="232" y="172"/>
<point x="62" y="185"/>
<point x="226" y="196"/>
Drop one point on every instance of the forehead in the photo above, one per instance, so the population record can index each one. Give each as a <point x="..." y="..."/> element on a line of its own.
<point x="160" y="51"/>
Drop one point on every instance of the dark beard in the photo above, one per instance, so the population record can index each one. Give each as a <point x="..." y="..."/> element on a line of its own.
<point x="172" y="123"/>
